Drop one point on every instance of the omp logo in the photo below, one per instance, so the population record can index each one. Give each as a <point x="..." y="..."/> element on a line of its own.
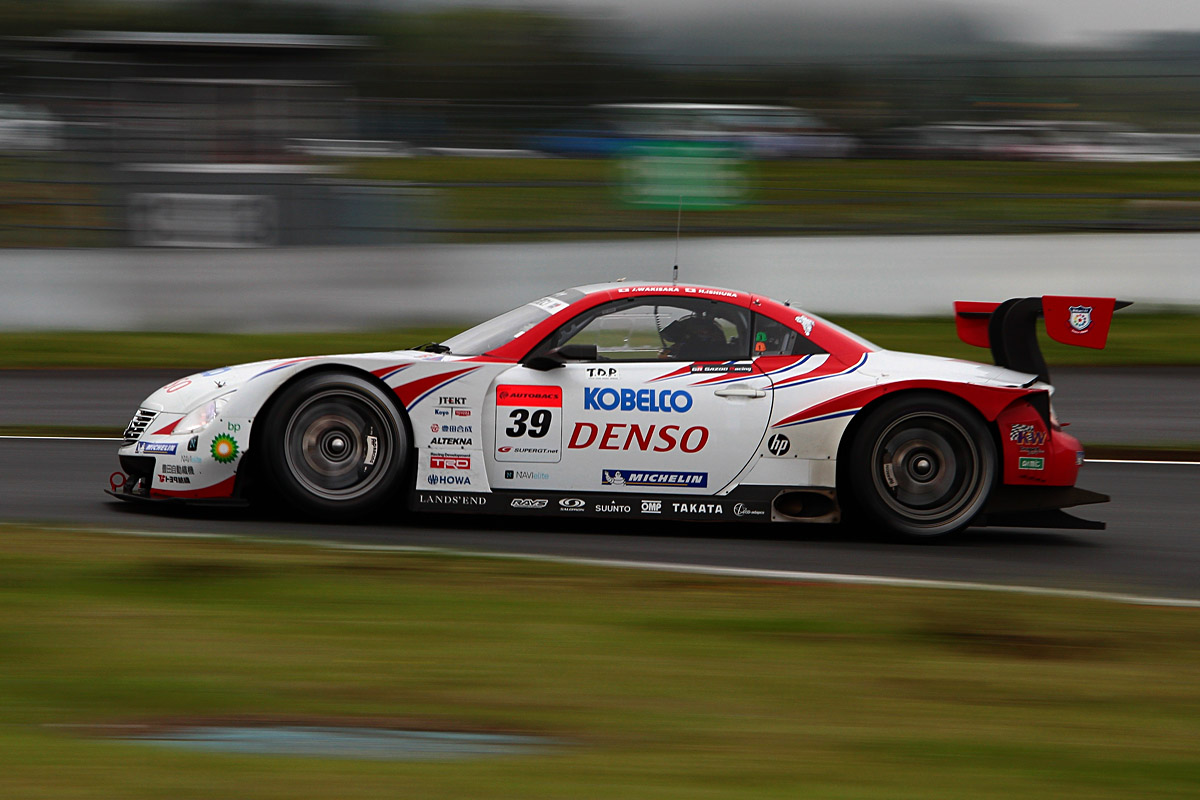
<point x="598" y="399"/>
<point x="619" y="436"/>
<point x="528" y="502"/>
<point x="652" y="506"/>
<point x="449" y="462"/>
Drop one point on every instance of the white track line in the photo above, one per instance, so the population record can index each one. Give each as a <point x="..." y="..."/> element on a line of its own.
<point x="691" y="569"/>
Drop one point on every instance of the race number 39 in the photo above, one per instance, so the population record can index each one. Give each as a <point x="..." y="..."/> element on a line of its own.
<point x="528" y="423"/>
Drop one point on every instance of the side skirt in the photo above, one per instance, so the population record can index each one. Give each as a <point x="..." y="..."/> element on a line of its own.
<point x="745" y="504"/>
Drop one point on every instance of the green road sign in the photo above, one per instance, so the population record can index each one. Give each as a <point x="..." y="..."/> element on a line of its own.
<point x="692" y="175"/>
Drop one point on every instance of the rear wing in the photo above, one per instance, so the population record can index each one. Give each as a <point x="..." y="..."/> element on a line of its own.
<point x="1009" y="328"/>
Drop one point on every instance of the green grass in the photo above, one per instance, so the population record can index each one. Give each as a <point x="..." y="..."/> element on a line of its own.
<point x="663" y="686"/>
<point x="1136" y="339"/>
<point x="498" y="199"/>
<point x="528" y="199"/>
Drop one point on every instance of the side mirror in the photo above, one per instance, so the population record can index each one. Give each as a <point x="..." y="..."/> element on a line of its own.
<point x="559" y="356"/>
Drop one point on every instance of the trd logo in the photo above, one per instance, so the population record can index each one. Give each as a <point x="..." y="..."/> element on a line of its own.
<point x="449" y="462"/>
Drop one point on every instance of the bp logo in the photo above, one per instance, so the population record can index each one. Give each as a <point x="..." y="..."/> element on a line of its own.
<point x="1081" y="318"/>
<point x="224" y="449"/>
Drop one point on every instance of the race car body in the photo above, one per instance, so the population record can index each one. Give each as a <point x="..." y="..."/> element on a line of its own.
<point x="637" y="401"/>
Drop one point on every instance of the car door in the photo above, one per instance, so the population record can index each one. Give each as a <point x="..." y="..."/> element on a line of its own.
<point x="672" y="403"/>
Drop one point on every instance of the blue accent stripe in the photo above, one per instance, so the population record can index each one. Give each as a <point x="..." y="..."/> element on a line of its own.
<point x="393" y="372"/>
<point x="835" y="415"/>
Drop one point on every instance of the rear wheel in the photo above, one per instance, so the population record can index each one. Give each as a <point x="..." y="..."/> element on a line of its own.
<point x="922" y="465"/>
<point x="335" y="446"/>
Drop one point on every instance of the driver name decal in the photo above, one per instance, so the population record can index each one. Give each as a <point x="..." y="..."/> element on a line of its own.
<point x="528" y="423"/>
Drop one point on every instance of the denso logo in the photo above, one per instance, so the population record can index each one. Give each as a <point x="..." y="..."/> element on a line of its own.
<point x="606" y="399"/>
<point x="659" y="438"/>
<point x="449" y="462"/>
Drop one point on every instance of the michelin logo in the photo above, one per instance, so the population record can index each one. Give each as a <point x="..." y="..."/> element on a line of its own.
<point x="678" y="480"/>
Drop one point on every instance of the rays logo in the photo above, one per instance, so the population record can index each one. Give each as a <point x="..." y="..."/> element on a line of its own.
<point x="1081" y="318"/>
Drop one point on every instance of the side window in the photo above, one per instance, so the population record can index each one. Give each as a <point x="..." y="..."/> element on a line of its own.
<point x="651" y="329"/>
<point x="773" y="338"/>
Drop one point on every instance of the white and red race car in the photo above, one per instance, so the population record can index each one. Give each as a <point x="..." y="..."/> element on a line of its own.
<point x="644" y="401"/>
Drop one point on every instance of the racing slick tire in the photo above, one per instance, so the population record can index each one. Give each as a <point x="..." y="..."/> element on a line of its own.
<point x="335" y="446"/>
<point x="922" y="465"/>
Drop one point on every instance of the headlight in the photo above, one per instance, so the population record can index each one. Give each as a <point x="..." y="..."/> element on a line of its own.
<point x="199" y="418"/>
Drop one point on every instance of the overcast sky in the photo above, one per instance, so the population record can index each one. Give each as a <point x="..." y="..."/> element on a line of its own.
<point x="1039" y="21"/>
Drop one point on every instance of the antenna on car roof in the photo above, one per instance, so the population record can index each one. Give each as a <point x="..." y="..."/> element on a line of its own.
<point x="678" y="220"/>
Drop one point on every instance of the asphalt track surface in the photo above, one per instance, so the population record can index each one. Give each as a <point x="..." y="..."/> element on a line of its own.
<point x="1151" y="547"/>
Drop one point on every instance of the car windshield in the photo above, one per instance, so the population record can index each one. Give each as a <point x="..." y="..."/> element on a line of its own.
<point x="487" y="336"/>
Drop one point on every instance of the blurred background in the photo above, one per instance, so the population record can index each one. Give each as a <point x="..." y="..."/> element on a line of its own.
<point x="249" y="124"/>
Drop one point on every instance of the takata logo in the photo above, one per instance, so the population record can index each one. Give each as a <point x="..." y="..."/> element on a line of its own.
<point x="449" y="462"/>
<point x="1027" y="434"/>
<point x="606" y="399"/>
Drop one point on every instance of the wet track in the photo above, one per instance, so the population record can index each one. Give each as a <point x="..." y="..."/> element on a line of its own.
<point x="1151" y="547"/>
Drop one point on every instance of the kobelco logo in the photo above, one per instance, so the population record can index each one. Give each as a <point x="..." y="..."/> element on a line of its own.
<point x="598" y="399"/>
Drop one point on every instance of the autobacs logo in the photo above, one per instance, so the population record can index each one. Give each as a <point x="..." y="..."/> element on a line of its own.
<point x="605" y="399"/>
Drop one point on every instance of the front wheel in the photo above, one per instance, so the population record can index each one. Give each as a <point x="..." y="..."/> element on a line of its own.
<point x="335" y="446"/>
<point x="922" y="465"/>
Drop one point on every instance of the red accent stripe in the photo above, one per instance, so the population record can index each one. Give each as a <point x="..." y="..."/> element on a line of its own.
<point x="853" y="400"/>
<point x="379" y="373"/>
<point x="167" y="429"/>
<point x="409" y="392"/>
<point x="680" y="371"/>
